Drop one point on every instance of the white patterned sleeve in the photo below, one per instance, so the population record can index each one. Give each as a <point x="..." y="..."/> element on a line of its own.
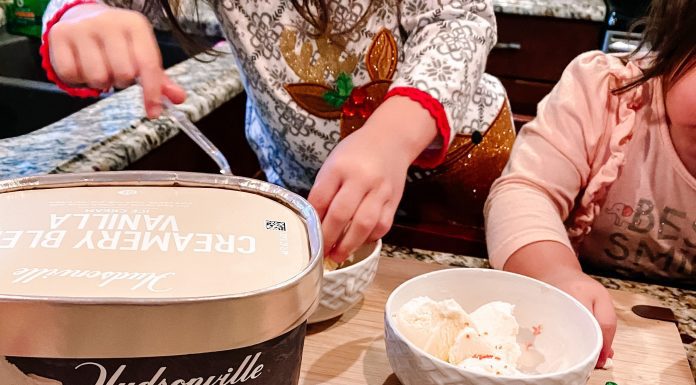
<point x="445" y="52"/>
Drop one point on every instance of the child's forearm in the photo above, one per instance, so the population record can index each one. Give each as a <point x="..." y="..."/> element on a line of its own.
<point x="544" y="260"/>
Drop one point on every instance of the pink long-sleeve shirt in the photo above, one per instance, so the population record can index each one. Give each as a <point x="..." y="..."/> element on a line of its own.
<point x="597" y="171"/>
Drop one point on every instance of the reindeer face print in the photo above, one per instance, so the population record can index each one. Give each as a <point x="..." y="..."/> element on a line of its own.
<point x="343" y="101"/>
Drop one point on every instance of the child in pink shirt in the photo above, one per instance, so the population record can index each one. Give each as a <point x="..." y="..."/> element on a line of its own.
<point x="607" y="171"/>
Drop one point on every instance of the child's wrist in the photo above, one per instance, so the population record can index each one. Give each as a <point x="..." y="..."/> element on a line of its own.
<point x="405" y="123"/>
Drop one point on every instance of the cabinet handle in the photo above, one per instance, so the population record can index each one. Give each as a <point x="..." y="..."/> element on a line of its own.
<point x="509" y="46"/>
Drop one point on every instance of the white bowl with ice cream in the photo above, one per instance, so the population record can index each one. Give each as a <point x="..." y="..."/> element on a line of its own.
<point x="343" y="287"/>
<point x="488" y="327"/>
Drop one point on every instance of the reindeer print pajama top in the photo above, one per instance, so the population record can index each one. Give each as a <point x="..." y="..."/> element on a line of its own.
<point x="306" y="92"/>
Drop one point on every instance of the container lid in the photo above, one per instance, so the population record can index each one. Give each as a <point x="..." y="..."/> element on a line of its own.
<point x="146" y="242"/>
<point x="154" y="239"/>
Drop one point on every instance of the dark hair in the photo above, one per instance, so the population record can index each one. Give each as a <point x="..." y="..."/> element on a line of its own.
<point x="315" y="12"/>
<point x="670" y="36"/>
<point x="167" y="10"/>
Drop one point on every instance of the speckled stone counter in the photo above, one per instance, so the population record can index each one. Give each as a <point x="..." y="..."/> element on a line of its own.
<point x="681" y="301"/>
<point x="594" y="10"/>
<point x="111" y="134"/>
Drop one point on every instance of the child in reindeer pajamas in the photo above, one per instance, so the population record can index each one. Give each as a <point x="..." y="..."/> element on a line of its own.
<point x="409" y="74"/>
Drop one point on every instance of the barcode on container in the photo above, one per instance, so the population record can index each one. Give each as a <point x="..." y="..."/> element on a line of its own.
<point x="275" y="225"/>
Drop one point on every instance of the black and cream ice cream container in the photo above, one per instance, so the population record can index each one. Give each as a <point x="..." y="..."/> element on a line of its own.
<point x="154" y="278"/>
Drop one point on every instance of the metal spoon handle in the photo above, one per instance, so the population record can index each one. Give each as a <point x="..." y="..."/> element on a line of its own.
<point x="197" y="136"/>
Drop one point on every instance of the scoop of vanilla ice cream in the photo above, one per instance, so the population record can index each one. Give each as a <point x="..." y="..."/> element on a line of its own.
<point x="432" y="326"/>
<point x="495" y="321"/>
<point x="484" y="341"/>
<point x="468" y="344"/>
<point x="10" y="374"/>
<point x="490" y="365"/>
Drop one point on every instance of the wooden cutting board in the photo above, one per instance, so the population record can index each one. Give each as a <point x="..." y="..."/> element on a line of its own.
<point x="350" y="350"/>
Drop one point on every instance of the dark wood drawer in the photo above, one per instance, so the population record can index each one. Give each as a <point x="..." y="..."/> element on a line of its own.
<point x="539" y="48"/>
<point x="524" y="95"/>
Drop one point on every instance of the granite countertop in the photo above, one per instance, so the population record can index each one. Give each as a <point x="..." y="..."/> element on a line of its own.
<point x="112" y="133"/>
<point x="594" y="10"/>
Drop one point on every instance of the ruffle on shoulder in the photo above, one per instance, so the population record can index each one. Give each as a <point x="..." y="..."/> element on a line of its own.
<point x="623" y="109"/>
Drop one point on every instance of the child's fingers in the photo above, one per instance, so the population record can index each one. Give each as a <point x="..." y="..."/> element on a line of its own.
<point x="173" y="91"/>
<point x="341" y="210"/>
<point x="93" y="64"/>
<point x="149" y="65"/>
<point x="120" y="61"/>
<point x="361" y="226"/>
<point x="63" y="57"/>
<point x="603" y="309"/>
<point x="325" y="188"/>
<point x="385" y="221"/>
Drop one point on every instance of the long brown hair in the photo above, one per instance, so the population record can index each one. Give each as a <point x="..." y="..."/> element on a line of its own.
<point x="315" y="12"/>
<point x="670" y="37"/>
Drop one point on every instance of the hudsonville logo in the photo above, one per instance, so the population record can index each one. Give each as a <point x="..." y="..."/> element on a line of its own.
<point x="249" y="369"/>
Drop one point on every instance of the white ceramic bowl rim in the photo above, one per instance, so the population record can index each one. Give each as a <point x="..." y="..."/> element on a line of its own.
<point x="376" y="252"/>
<point x="583" y="309"/>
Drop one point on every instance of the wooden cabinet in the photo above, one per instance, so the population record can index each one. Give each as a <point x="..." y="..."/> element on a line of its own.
<point x="532" y="53"/>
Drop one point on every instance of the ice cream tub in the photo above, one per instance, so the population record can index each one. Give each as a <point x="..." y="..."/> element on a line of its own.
<point x="154" y="278"/>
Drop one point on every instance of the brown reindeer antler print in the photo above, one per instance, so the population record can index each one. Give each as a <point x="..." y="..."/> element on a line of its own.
<point x="328" y="61"/>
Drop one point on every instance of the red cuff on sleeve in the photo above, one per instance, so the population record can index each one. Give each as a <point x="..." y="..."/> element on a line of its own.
<point x="428" y="159"/>
<point x="46" y="57"/>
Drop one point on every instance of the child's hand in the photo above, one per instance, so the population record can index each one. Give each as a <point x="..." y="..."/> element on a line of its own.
<point x="358" y="189"/>
<point x="594" y="297"/>
<point x="100" y="46"/>
<point x="357" y="192"/>
<point x="555" y="264"/>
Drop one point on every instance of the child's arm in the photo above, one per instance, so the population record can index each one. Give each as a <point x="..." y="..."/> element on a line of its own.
<point x="359" y="188"/>
<point x="550" y="164"/>
<point x="445" y="57"/>
<point x="90" y="44"/>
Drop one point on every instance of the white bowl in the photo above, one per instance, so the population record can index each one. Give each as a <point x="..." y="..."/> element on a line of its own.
<point x="343" y="288"/>
<point x="565" y="353"/>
